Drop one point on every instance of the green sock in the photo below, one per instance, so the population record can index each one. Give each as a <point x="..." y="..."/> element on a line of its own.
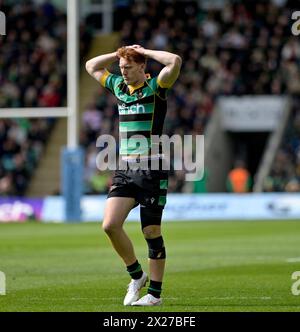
<point x="135" y="270"/>
<point x="155" y="288"/>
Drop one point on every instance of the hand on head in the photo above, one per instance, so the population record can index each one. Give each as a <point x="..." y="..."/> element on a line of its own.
<point x="137" y="48"/>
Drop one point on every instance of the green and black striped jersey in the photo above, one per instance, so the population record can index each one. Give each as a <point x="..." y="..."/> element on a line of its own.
<point x="141" y="112"/>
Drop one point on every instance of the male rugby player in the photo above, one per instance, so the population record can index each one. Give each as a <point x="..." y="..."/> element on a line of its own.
<point x="142" y="104"/>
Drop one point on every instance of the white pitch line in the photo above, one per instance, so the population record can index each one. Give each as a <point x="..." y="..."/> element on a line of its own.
<point x="293" y="260"/>
<point x="237" y="298"/>
<point x="111" y="298"/>
<point x="90" y="298"/>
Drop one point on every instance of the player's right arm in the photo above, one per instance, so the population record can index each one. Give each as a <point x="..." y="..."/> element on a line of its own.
<point x="96" y="67"/>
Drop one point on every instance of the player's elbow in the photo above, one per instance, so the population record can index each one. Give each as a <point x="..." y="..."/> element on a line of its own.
<point x="89" y="67"/>
<point x="178" y="61"/>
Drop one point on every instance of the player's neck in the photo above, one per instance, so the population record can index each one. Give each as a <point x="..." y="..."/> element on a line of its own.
<point x="139" y="82"/>
<point x="136" y="85"/>
<point x="132" y="88"/>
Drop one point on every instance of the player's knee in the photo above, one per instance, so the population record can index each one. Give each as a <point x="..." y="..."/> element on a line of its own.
<point x="156" y="248"/>
<point x="151" y="231"/>
<point x="110" y="227"/>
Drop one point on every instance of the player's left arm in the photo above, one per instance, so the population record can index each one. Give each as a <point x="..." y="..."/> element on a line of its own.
<point x="172" y="62"/>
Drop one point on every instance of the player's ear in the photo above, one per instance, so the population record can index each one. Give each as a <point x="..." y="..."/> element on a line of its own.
<point x="143" y="66"/>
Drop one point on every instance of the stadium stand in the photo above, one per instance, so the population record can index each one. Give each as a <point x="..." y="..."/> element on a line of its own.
<point x="243" y="48"/>
<point x="36" y="41"/>
<point x="285" y="171"/>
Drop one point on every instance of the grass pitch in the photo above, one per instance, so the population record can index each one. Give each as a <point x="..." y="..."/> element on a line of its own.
<point x="211" y="266"/>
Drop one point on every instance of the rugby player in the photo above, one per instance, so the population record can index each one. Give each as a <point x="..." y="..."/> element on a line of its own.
<point x="142" y="104"/>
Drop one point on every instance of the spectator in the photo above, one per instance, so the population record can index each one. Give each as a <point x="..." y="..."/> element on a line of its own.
<point x="285" y="171"/>
<point x="239" y="179"/>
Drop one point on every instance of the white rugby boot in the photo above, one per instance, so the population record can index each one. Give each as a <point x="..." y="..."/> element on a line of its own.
<point x="133" y="290"/>
<point x="148" y="300"/>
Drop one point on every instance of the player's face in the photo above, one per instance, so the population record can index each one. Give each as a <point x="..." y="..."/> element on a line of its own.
<point x="131" y="71"/>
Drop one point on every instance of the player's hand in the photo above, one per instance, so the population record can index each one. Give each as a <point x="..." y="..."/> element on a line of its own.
<point x="138" y="49"/>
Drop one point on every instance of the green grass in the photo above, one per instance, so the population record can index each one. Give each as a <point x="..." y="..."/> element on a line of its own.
<point x="212" y="266"/>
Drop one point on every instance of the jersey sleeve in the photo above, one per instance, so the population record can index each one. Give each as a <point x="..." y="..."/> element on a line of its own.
<point x="160" y="91"/>
<point x="109" y="81"/>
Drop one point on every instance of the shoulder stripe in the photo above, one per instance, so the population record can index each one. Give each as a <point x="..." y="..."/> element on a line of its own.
<point x="163" y="85"/>
<point x="103" y="78"/>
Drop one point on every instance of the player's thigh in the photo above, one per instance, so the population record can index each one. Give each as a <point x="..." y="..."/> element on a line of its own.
<point x="116" y="211"/>
<point x="151" y="221"/>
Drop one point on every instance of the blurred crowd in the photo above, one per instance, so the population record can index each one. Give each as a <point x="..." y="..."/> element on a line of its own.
<point x="32" y="74"/>
<point x="246" y="47"/>
<point x="285" y="171"/>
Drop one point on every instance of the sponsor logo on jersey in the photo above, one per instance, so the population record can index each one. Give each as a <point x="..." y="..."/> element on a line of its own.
<point x="133" y="109"/>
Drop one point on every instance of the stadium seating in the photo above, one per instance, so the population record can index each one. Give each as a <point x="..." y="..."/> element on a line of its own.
<point x="243" y="48"/>
<point x="285" y="171"/>
<point x="32" y="74"/>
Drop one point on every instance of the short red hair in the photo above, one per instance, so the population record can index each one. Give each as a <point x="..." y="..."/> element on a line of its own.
<point x="130" y="54"/>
